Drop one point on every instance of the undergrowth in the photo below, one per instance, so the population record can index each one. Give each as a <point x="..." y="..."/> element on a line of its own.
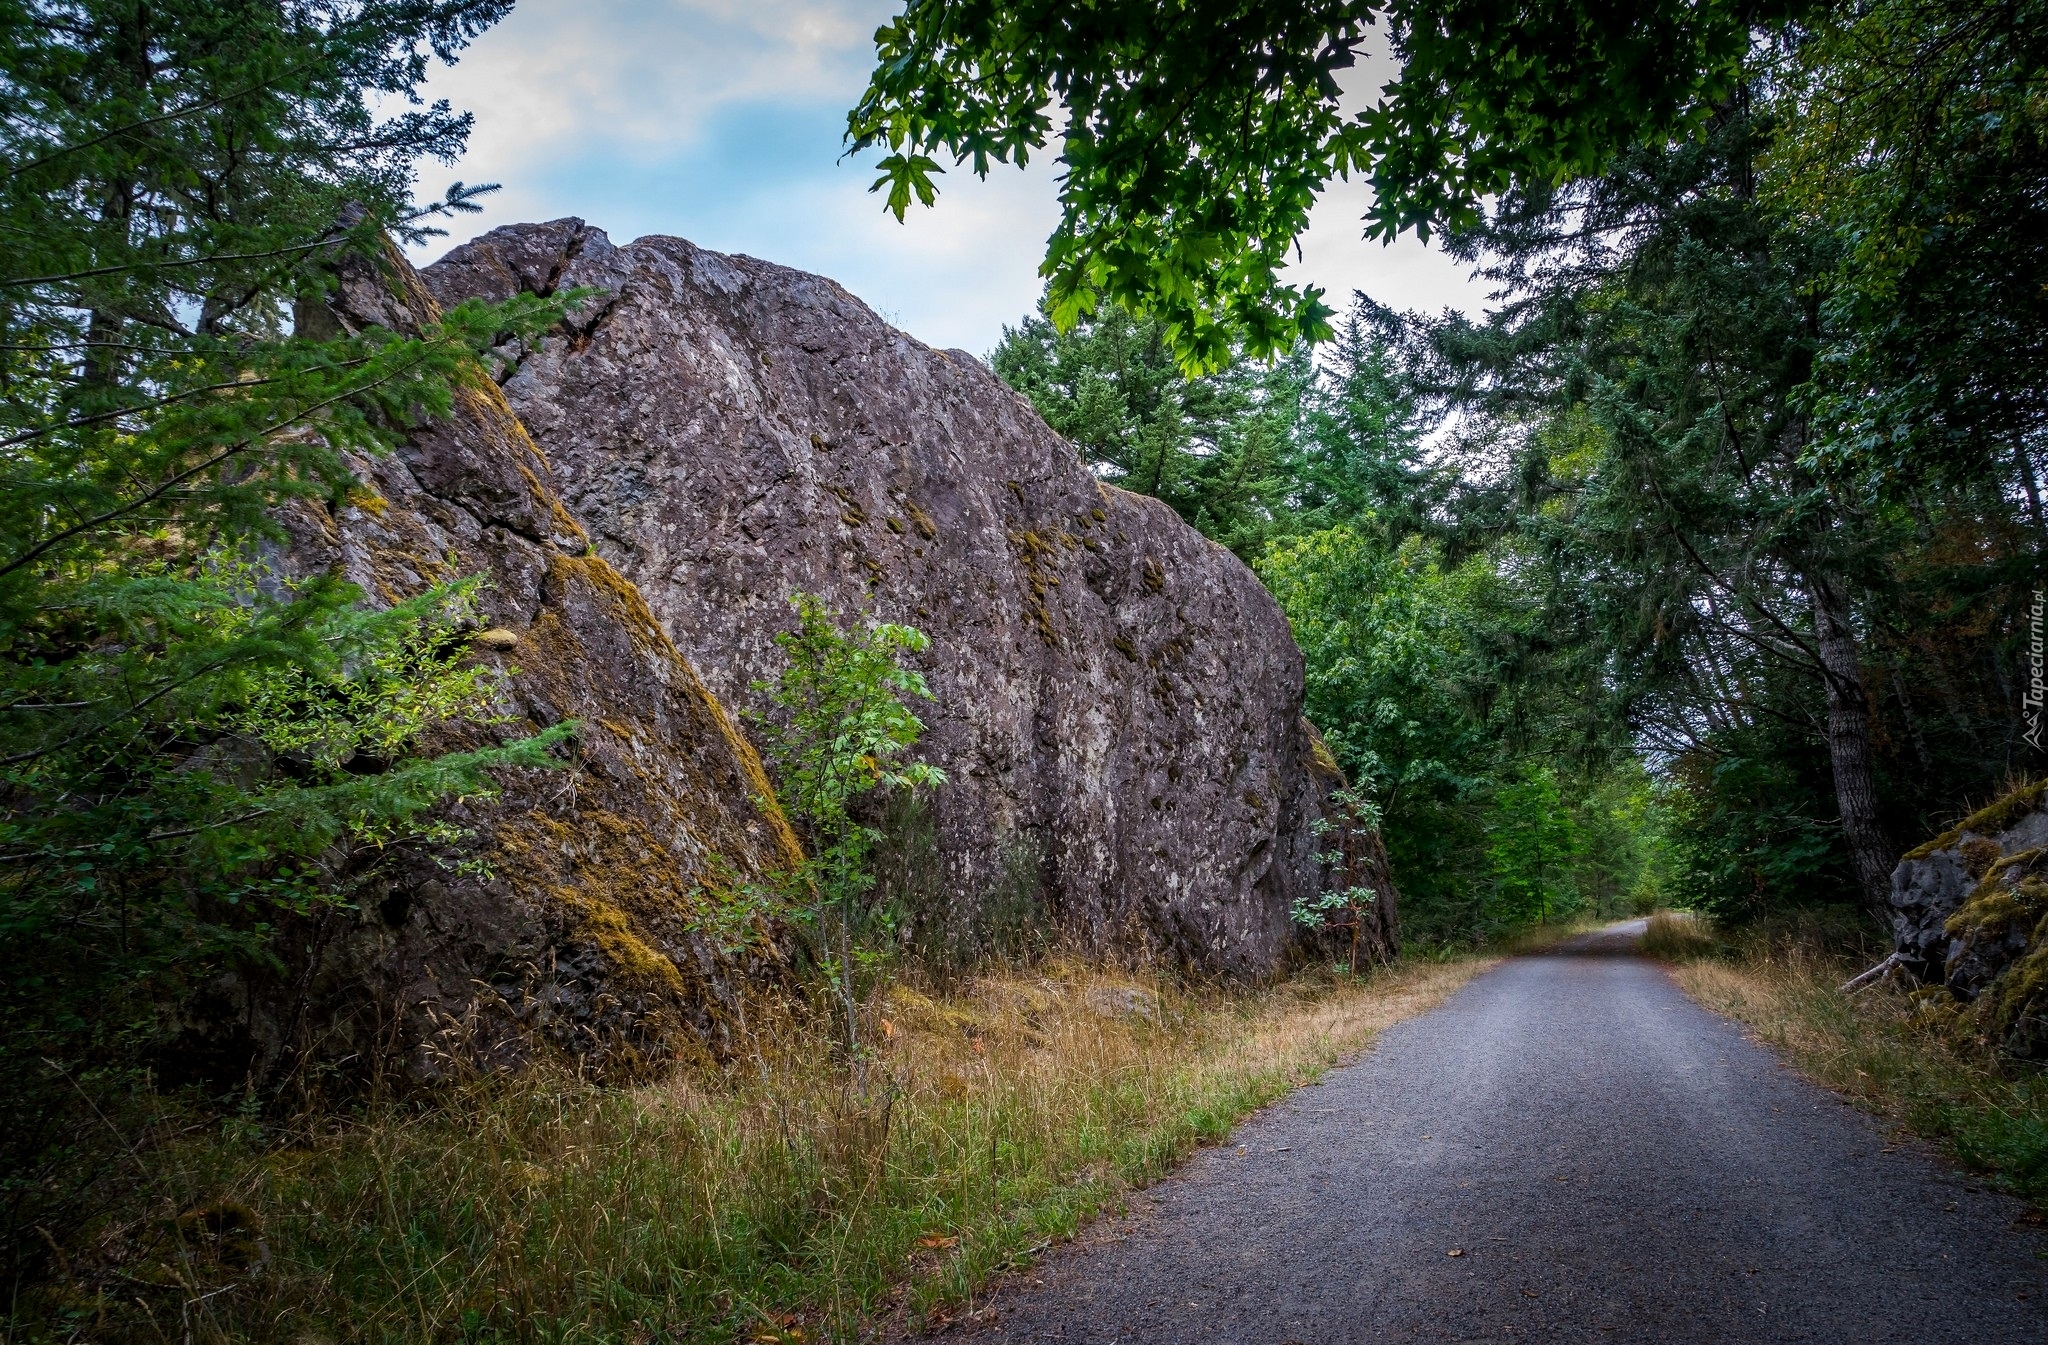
<point x="773" y="1203"/>
<point x="1677" y="934"/>
<point x="1900" y="1054"/>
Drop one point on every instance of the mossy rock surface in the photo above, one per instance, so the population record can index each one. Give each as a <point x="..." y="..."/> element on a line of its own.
<point x="1971" y="914"/>
<point x="1987" y="821"/>
<point x="566" y="922"/>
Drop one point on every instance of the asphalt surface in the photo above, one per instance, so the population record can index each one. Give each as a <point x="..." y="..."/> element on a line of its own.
<point x="1610" y="1161"/>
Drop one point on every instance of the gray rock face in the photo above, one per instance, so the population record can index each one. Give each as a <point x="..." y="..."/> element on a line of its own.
<point x="581" y="930"/>
<point x="1925" y="893"/>
<point x="1971" y="912"/>
<point x="1116" y="695"/>
<point x="1931" y="884"/>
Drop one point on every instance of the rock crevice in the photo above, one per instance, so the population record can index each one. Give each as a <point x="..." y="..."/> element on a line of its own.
<point x="571" y="917"/>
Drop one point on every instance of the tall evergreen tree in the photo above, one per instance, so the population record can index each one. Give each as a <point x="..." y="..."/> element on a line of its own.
<point x="1653" y="386"/>
<point x="1218" y="448"/>
<point x="1912" y="133"/>
<point x="191" y="741"/>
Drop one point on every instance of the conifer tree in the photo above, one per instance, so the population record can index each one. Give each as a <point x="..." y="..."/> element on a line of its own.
<point x="187" y="734"/>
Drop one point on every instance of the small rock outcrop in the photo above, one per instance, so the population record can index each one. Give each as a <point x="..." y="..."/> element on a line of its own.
<point x="572" y="921"/>
<point x="1970" y="912"/>
<point x="1118" y="699"/>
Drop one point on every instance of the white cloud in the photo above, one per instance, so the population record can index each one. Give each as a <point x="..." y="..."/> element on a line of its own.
<point x="720" y="121"/>
<point x="647" y="74"/>
<point x="1403" y="274"/>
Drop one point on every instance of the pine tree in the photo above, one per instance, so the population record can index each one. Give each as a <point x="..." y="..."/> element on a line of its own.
<point x="188" y="735"/>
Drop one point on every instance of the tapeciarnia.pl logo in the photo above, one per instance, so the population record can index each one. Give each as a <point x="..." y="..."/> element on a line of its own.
<point x="2030" y="701"/>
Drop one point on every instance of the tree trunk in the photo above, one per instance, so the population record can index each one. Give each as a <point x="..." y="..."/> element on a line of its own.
<point x="2026" y="466"/>
<point x="1871" y="855"/>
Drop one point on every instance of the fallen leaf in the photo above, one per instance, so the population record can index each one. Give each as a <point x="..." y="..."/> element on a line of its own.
<point x="937" y="1240"/>
<point x="1455" y="1251"/>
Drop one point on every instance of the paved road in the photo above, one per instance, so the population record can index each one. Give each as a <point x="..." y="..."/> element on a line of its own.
<point x="1613" y="1162"/>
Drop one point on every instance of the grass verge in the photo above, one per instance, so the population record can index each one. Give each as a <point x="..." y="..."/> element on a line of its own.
<point x="1899" y="1055"/>
<point x="775" y="1204"/>
<point x="1677" y="935"/>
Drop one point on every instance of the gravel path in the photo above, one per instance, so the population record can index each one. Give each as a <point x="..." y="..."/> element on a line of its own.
<point x="1569" y="1149"/>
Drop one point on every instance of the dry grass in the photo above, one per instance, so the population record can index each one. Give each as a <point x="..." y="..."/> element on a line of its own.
<point x="1900" y="1055"/>
<point x="1678" y="936"/>
<point x="776" y="1204"/>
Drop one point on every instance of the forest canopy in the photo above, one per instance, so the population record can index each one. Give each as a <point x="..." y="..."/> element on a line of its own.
<point x="1196" y="136"/>
<point x="1699" y="568"/>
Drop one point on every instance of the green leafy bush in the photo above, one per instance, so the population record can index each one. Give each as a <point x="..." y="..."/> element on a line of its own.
<point x="839" y="728"/>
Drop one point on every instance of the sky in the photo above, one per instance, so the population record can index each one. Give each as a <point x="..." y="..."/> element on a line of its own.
<point x="720" y="121"/>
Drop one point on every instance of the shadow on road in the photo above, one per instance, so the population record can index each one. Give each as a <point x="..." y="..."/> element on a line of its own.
<point x="1619" y="940"/>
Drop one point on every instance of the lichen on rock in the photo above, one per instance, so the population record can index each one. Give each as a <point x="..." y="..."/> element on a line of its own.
<point x="1970" y="912"/>
<point x="567" y="922"/>
<point x="1114" y="692"/>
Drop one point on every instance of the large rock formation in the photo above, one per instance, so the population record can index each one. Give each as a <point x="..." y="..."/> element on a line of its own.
<point x="1970" y="912"/>
<point x="574" y="918"/>
<point x="1117" y="697"/>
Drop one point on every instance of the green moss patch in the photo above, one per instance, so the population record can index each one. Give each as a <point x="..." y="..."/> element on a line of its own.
<point x="1988" y="820"/>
